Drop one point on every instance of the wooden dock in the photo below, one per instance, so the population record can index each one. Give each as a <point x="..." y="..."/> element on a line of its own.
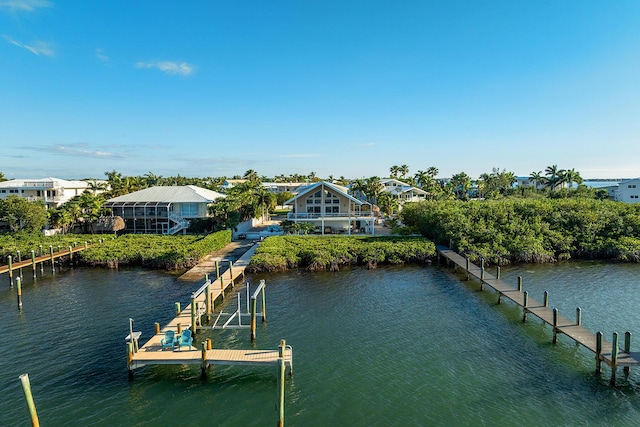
<point x="33" y="260"/>
<point x="605" y="351"/>
<point x="151" y="353"/>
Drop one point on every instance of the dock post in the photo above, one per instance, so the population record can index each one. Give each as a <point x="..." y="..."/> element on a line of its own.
<point x="179" y="328"/>
<point x="193" y="316"/>
<point x="156" y="328"/>
<point x="222" y="287"/>
<point x="9" y="264"/>
<point x="555" y="324"/>
<point x="281" y="371"/>
<point x="598" y="352"/>
<point x="208" y="296"/>
<point x="33" y="263"/>
<point x="53" y="261"/>
<point x="203" y="367"/>
<point x="498" y="272"/>
<point x="467" y="258"/>
<point x="19" y="259"/>
<point x="217" y="270"/>
<point x="209" y="346"/>
<point x="627" y="349"/>
<point x="26" y="388"/>
<point x="482" y="277"/>
<point x="231" y="272"/>
<point x="19" y="292"/>
<point x="178" y="309"/>
<point x="130" y="358"/>
<point x="264" y="305"/>
<point x="86" y="245"/>
<point x="614" y="358"/>
<point x="578" y="316"/>
<point x="525" y="302"/>
<point x="546" y="299"/>
<point x="70" y="256"/>
<point x="254" y="304"/>
<point x="40" y="253"/>
<point x="519" y="283"/>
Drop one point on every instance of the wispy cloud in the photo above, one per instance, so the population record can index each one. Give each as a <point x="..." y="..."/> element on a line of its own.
<point x="298" y="155"/>
<point x="101" y="56"/>
<point x="78" y="150"/>
<point x="169" y="67"/>
<point x="368" y="144"/>
<point x="24" y="5"/>
<point x="37" y="47"/>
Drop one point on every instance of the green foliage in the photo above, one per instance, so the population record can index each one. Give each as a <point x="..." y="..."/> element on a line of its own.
<point x="279" y="253"/>
<point x="531" y="230"/>
<point x="168" y="252"/>
<point x="22" y="214"/>
<point x="25" y="242"/>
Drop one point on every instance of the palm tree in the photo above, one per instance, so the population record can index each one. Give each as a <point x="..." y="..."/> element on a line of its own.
<point x="387" y="203"/>
<point x="404" y="170"/>
<point x="251" y="175"/>
<point x="432" y="171"/>
<point x="96" y="186"/>
<point x="537" y="178"/>
<point x="395" y="170"/>
<point x="2" y="177"/>
<point x="264" y="199"/>
<point x="422" y="178"/>
<point x="554" y="176"/>
<point x="460" y="184"/>
<point x="373" y="187"/>
<point x="571" y="176"/>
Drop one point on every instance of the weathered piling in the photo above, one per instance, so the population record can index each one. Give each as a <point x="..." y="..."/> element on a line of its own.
<point x="26" y="388"/>
<point x="19" y="259"/>
<point x="555" y="325"/>
<point x="53" y="261"/>
<point x="545" y="300"/>
<point x="614" y="358"/>
<point x="10" y="266"/>
<point x="203" y="366"/>
<point x="281" y="372"/>
<point x="254" y="304"/>
<point x="193" y="316"/>
<point x="598" y="352"/>
<point x="177" y="305"/>
<point x="467" y="268"/>
<point x="519" y="283"/>
<point x="231" y="272"/>
<point x="627" y="349"/>
<point x="71" y="256"/>
<point x="578" y="316"/>
<point x="19" y="292"/>
<point x="33" y="263"/>
<point x="525" y="303"/>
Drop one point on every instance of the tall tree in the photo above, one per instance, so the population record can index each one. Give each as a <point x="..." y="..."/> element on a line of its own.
<point x="460" y="184"/>
<point x="404" y="170"/>
<point x="554" y="176"/>
<point x="537" y="178"/>
<point x="394" y="170"/>
<point x="21" y="214"/>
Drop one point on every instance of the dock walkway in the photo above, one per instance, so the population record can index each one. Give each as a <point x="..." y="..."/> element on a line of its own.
<point x="152" y="353"/>
<point x="605" y="351"/>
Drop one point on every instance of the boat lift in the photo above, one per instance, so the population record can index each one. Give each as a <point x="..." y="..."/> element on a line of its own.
<point x="234" y="320"/>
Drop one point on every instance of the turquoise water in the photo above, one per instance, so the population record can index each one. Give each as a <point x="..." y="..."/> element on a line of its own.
<point x="393" y="346"/>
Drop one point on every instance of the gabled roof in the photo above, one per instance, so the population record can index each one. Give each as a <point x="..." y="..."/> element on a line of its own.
<point x="335" y="188"/>
<point x="386" y="181"/>
<point x="170" y="194"/>
<point x="629" y="180"/>
<point x="405" y="189"/>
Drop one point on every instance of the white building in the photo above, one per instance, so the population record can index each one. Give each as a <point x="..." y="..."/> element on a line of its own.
<point x="629" y="191"/>
<point x="52" y="191"/>
<point x="403" y="191"/>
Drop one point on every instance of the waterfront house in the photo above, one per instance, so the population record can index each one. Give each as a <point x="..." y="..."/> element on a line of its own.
<point x="162" y="210"/>
<point x="53" y="192"/>
<point x="331" y="209"/>
<point x="403" y="191"/>
<point x="629" y="191"/>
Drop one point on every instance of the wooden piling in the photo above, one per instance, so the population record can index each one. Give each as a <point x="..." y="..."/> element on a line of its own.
<point x="209" y="344"/>
<point x="19" y="259"/>
<point x="70" y="256"/>
<point x="222" y="287"/>
<point x="498" y="272"/>
<point x="40" y="252"/>
<point x="193" y="316"/>
<point x="177" y="305"/>
<point x="26" y="388"/>
<point x="19" y="292"/>
<point x="179" y="328"/>
<point x="546" y="299"/>
<point x="524" y="306"/>
<point x="130" y="358"/>
<point x="203" y="366"/>
<point x="281" y="371"/>
<point x="264" y="305"/>
<point x="578" y="316"/>
<point x="467" y="268"/>
<point x="627" y="349"/>
<point x="217" y="270"/>
<point x="254" y="304"/>
<point x="10" y="265"/>
<point x="614" y="358"/>
<point x="482" y="278"/>
<point x="53" y="263"/>
<point x="598" y="352"/>
<point x="207" y="296"/>
<point x="520" y="283"/>
<point x="156" y="328"/>
<point x="33" y="263"/>
<point x="231" y="272"/>
<point x="555" y="325"/>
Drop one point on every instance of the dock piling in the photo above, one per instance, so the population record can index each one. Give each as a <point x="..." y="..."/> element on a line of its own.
<point x="33" y="263"/>
<point x="281" y="371"/>
<point x="546" y="299"/>
<point x="26" y="388"/>
<point x="19" y="292"/>
<point x="10" y="265"/>
<point x="578" y="316"/>
<point x="614" y="358"/>
<point x="598" y="352"/>
<point x="498" y="272"/>
<point x="525" y="302"/>
<point x="53" y="261"/>
<point x="203" y="367"/>
<point x="555" y="325"/>
<point x="627" y="349"/>
<point x="177" y="309"/>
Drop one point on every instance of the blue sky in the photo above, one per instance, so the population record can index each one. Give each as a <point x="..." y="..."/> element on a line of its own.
<point x="342" y="88"/>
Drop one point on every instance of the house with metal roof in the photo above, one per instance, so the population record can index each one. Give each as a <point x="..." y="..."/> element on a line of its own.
<point x="162" y="209"/>
<point x="331" y="209"/>
<point x="403" y="191"/>
<point x="629" y="191"/>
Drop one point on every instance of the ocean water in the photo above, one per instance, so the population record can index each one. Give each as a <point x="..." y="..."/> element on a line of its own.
<point x="410" y="345"/>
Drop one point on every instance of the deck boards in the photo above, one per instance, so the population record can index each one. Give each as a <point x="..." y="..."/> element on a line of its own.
<point x="565" y="326"/>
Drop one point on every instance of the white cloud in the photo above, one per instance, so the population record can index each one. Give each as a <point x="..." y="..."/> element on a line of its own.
<point x="24" y="5"/>
<point x="169" y="67"/>
<point x="298" y="155"/>
<point x="78" y="150"/>
<point x="37" y="48"/>
<point x="101" y="56"/>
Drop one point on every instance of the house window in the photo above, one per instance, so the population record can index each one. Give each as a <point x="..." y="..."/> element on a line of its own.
<point x="13" y="191"/>
<point x="189" y="209"/>
<point x="336" y="201"/>
<point x="3" y="191"/>
<point x="631" y="186"/>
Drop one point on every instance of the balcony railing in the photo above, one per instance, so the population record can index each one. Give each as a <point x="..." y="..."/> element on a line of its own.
<point x="310" y="215"/>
